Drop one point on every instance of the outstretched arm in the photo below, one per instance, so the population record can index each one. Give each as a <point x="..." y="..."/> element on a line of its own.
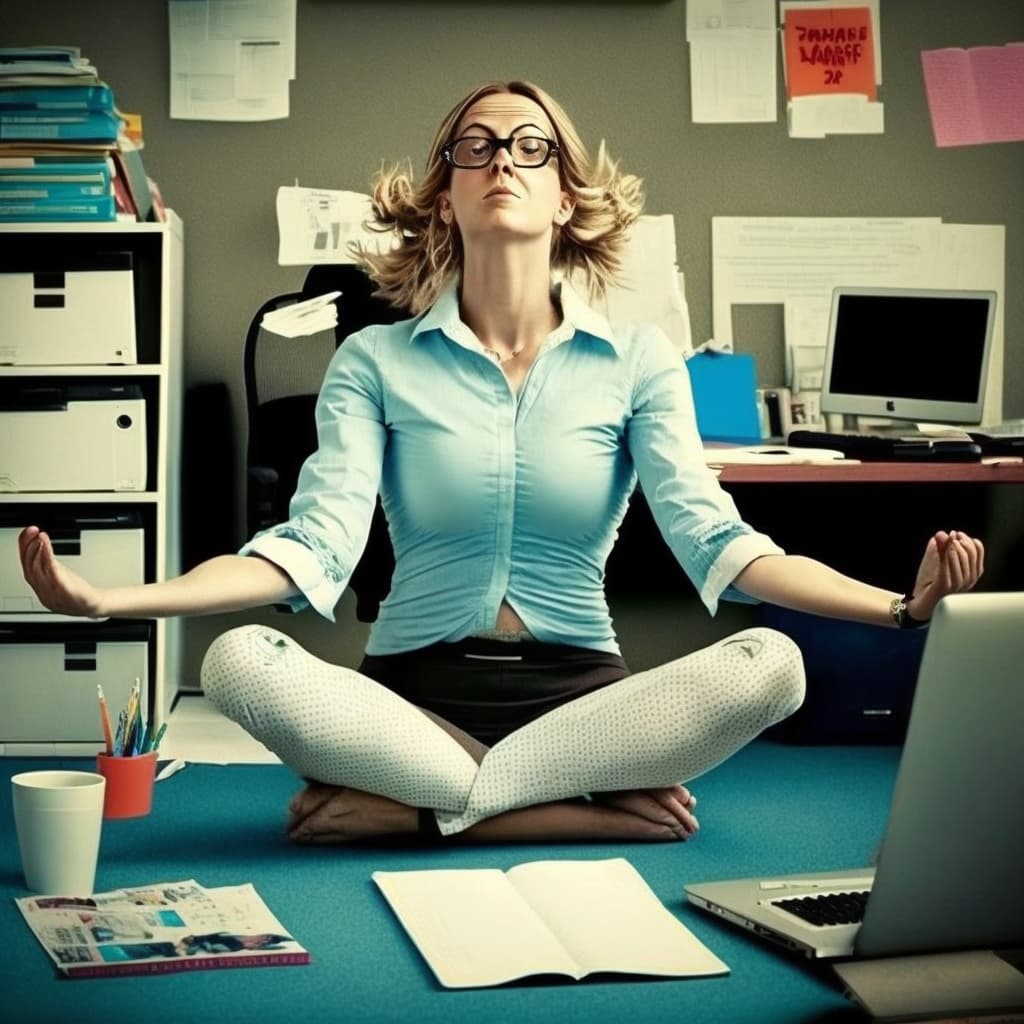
<point x="952" y="562"/>
<point x="222" y="584"/>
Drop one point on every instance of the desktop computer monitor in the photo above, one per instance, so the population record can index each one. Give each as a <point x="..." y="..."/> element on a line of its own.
<point x="908" y="353"/>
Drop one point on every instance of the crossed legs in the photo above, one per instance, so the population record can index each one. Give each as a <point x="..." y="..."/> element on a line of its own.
<point x="376" y="758"/>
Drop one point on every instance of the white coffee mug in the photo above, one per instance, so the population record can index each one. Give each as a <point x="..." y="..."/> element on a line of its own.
<point x="58" y="816"/>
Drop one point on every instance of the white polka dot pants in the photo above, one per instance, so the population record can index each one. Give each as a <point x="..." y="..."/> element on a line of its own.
<point x="332" y="724"/>
<point x="652" y="729"/>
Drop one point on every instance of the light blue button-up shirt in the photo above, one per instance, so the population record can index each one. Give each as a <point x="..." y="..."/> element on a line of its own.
<point x="492" y="495"/>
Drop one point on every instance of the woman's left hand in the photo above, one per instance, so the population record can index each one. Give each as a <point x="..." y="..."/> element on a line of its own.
<point x="953" y="562"/>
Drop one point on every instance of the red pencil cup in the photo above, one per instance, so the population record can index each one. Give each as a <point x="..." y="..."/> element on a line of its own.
<point x="129" y="784"/>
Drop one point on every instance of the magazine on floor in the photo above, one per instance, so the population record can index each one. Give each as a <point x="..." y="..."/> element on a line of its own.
<point x="154" y="929"/>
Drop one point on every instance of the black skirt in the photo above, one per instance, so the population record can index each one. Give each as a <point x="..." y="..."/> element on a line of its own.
<point x="489" y="688"/>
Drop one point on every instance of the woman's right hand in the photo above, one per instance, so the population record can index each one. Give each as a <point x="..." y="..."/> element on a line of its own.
<point x="57" y="587"/>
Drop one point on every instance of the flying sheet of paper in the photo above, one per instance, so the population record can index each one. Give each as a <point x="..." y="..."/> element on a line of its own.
<point x="231" y="61"/>
<point x="318" y="225"/>
<point x="732" y="60"/>
<point x="303" y="318"/>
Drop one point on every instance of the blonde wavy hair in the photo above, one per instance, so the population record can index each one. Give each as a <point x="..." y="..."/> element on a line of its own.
<point x="429" y="252"/>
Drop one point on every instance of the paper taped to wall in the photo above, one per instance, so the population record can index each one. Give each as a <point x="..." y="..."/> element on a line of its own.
<point x="319" y="225"/>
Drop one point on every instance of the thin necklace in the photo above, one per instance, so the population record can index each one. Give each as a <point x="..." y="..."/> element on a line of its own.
<point x="499" y="358"/>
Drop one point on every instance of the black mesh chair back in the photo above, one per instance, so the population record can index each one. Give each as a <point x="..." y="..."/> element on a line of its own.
<point x="282" y="380"/>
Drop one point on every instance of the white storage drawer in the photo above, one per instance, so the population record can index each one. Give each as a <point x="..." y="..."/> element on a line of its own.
<point x="72" y="437"/>
<point x="68" y="310"/>
<point x="108" y="550"/>
<point x="48" y="678"/>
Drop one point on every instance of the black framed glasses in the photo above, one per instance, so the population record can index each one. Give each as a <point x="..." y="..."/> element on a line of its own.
<point x="478" y="150"/>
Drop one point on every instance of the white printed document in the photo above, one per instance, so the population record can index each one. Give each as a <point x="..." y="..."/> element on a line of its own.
<point x="231" y="61"/>
<point x="319" y="225"/>
<point x="482" y="927"/>
<point x="797" y="261"/>
<point x="650" y="288"/>
<point x="732" y="60"/>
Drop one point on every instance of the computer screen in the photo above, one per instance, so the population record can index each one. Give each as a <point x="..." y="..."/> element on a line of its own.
<point x="908" y="353"/>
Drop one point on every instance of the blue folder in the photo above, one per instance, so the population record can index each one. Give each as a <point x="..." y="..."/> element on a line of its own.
<point x="58" y="209"/>
<point x="725" y="395"/>
<point x="77" y="98"/>
<point x="65" y="126"/>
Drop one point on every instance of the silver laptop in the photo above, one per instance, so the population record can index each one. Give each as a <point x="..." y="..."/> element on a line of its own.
<point x="950" y="869"/>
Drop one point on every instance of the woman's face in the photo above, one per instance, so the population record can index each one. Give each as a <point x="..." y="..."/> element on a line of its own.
<point x="501" y="199"/>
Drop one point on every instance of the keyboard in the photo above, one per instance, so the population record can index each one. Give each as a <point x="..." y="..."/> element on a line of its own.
<point x="827" y="908"/>
<point x="890" y="447"/>
<point x="1008" y="428"/>
<point x="1006" y="438"/>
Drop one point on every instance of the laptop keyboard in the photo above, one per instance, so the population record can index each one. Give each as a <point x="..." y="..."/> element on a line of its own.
<point x="827" y="908"/>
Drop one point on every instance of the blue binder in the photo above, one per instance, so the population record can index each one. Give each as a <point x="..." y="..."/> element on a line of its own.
<point x="79" y="98"/>
<point x="725" y="395"/>
<point x="62" y="126"/>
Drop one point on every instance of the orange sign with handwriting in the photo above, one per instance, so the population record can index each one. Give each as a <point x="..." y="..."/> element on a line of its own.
<point x="830" y="50"/>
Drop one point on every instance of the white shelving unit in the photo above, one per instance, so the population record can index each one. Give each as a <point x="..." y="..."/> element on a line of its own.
<point x="157" y="269"/>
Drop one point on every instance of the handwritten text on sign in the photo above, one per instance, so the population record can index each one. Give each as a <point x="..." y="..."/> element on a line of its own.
<point x="830" y="50"/>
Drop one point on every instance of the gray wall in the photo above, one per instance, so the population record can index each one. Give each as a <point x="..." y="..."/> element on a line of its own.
<point x="375" y="78"/>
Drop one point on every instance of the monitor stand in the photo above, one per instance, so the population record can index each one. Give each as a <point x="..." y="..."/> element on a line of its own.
<point x="852" y="425"/>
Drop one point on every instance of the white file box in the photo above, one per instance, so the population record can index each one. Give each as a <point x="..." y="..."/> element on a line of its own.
<point x="89" y="437"/>
<point x="106" y="550"/>
<point x="82" y="313"/>
<point x="48" y="678"/>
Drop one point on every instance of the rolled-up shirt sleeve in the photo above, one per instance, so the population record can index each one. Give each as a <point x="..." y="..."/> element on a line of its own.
<point x="330" y="513"/>
<point x="697" y="518"/>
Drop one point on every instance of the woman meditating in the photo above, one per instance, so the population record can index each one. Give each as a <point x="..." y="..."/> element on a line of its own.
<point x="504" y="426"/>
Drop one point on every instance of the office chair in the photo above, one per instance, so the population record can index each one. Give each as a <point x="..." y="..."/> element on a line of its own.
<point x="282" y="380"/>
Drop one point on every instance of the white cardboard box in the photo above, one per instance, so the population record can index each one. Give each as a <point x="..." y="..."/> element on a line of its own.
<point x="75" y="315"/>
<point x="89" y="437"/>
<point x="106" y="550"/>
<point x="48" y="680"/>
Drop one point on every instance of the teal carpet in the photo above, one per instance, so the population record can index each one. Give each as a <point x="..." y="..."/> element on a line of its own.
<point x="770" y="809"/>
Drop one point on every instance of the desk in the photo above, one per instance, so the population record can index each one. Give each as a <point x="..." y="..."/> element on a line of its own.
<point x="867" y="519"/>
<point x="877" y="473"/>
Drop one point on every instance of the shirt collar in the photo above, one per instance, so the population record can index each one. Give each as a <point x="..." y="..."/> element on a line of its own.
<point x="581" y="317"/>
<point x="576" y="316"/>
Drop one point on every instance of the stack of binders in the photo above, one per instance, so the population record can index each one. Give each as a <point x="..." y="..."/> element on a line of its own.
<point x="59" y="130"/>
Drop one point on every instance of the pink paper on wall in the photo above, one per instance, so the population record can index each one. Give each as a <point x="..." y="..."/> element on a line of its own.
<point x="975" y="95"/>
<point x="1000" y="88"/>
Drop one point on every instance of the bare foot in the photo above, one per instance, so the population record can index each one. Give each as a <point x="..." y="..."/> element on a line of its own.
<point x="671" y="806"/>
<point x="323" y="814"/>
<point x="634" y="818"/>
<point x="326" y="815"/>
